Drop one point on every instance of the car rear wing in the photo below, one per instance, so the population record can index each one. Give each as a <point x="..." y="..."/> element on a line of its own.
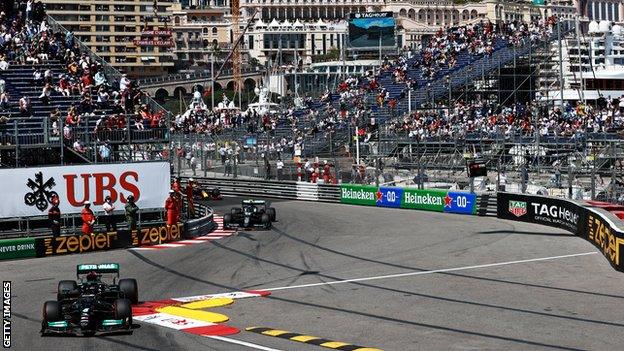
<point x="102" y="268"/>
<point x="254" y="202"/>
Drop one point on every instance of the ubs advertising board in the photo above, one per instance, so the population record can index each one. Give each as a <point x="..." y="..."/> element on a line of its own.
<point x="588" y="224"/>
<point x="28" y="192"/>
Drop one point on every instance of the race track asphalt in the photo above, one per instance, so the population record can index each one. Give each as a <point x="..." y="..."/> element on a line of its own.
<point x="541" y="302"/>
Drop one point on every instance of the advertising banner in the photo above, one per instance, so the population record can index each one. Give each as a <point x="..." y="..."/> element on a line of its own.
<point x="428" y="200"/>
<point x="389" y="197"/>
<point x="560" y="213"/>
<point x="82" y="243"/>
<point x="29" y="191"/>
<point x="457" y="202"/>
<point x="17" y="248"/>
<point x="157" y="235"/>
<point x="543" y="210"/>
<point x="72" y="244"/>
<point x="604" y="236"/>
<point x="358" y="194"/>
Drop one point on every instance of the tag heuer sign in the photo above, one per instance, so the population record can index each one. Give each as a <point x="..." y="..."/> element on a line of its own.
<point x="517" y="208"/>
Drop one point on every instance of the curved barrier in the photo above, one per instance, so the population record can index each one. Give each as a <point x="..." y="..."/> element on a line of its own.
<point x="592" y="224"/>
<point x="124" y="238"/>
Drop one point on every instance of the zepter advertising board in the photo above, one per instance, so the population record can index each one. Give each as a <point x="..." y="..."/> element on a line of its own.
<point x="372" y="30"/>
<point x="29" y="192"/>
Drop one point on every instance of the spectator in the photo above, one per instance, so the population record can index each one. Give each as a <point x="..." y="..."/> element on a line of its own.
<point x="105" y="152"/>
<point x="24" y="106"/>
<point x="54" y="216"/>
<point x="45" y="94"/>
<point x="109" y="219"/>
<point x="132" y="212"/>
<point x="279" y="166"/>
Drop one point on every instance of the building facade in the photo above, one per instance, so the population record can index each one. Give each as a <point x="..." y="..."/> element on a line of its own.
<point x="134" y="36"/>
<point x="199" y="33"/>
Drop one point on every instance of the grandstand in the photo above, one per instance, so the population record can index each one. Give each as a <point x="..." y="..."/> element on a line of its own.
<point x="36" y="132"/>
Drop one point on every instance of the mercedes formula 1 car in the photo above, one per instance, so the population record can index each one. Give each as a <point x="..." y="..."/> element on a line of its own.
<point x="91" y="305"/>
<point x="252" y="213"/>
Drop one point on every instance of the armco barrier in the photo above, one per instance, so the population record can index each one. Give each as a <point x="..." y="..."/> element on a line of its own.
<point x="17" y="248"/>
<point x="419" y="199"/>
<point x="592" y="224"/>
<point x="273" y="189"/>
<point x="124" y="238"/>
<point x="367" y="195"/>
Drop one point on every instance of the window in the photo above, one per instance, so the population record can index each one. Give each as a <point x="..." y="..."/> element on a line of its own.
<point x="214" y="30"/>
<point x="102" y="17"/>
<point x="102" y="28"/>
<point x="250" y="42"/>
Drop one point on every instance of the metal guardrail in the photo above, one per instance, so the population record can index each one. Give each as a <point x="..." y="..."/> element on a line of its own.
<point x="274" y="189"/>
<point x="37" y="226"/>
<point x="303" y="191"/>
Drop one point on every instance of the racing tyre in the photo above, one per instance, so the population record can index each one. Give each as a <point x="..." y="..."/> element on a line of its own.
<point x="272" y="213"/>
<point x="236" y="211"/>
<point x="216" y="193"/>
<point x="266" y="221"/>
<point x="123" y="310"/>
<point x="130" y="288"/>
<point x="52" y="311"/>
<point x="66" y="287"/>
<point x="227" y="219"/>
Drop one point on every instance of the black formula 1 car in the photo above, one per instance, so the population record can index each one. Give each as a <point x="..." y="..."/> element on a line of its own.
<point x="252" y="213"/>
<point x="91" y="305"/>
<point x="207" y="194"/>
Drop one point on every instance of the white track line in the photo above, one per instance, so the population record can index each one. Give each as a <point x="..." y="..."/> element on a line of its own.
<point x="243" y="343"/>
<point x="400" y="275"/>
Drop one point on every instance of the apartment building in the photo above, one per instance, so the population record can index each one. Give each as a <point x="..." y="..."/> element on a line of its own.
<point x="135" y="36"/>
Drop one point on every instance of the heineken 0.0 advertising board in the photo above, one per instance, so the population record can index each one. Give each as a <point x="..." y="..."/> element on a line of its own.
<point x="358" y="194"/>
<point x="418" y="199"/>
<point x="17" y="248"/>
<point x="428" y="200"/>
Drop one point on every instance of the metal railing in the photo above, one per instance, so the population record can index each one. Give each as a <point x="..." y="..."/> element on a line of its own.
<point x="185" y="77"/>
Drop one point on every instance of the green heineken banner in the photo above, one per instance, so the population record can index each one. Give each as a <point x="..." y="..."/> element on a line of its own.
<point x="358" y="194"/>
<point x="17" y="248"/>
<point x="428" y="200"/>
<point x="418" y="199"/>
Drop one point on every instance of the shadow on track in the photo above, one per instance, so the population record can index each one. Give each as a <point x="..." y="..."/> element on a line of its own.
<point x="402" y="321"/>
<point x="282" y="233"/>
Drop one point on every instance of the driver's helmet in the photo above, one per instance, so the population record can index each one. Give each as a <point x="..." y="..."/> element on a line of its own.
<point x="92" y="276"/>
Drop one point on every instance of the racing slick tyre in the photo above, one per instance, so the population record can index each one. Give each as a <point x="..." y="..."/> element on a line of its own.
<point x="123" y="310"/>
<point x="215" y="193"/>
<point x="130" y="288"/>
<point x="52" y="312"/>
<point x="266" y="221"/>
<point x="272" y="213"/>
<point x="236" y="211"/>
<point x="227" y="219"/>
<point x="66" y="287"/>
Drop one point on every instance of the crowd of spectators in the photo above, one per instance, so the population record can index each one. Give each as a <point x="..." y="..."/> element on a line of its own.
<point x="26" y="39"/>
<point x="479" y="119"/>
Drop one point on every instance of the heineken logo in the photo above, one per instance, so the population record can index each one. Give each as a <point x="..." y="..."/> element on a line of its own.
<point x="517" y="208"/>
<point x="425" y="199"/>
<point x="358" y="194"/>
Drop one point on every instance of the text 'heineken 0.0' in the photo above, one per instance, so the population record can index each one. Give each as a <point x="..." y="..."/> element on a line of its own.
<point x="358" y="194"/>
<point x="429" y="200"/>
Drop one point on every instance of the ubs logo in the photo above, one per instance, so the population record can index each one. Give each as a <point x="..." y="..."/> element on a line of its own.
<point x="42" y="194"/>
